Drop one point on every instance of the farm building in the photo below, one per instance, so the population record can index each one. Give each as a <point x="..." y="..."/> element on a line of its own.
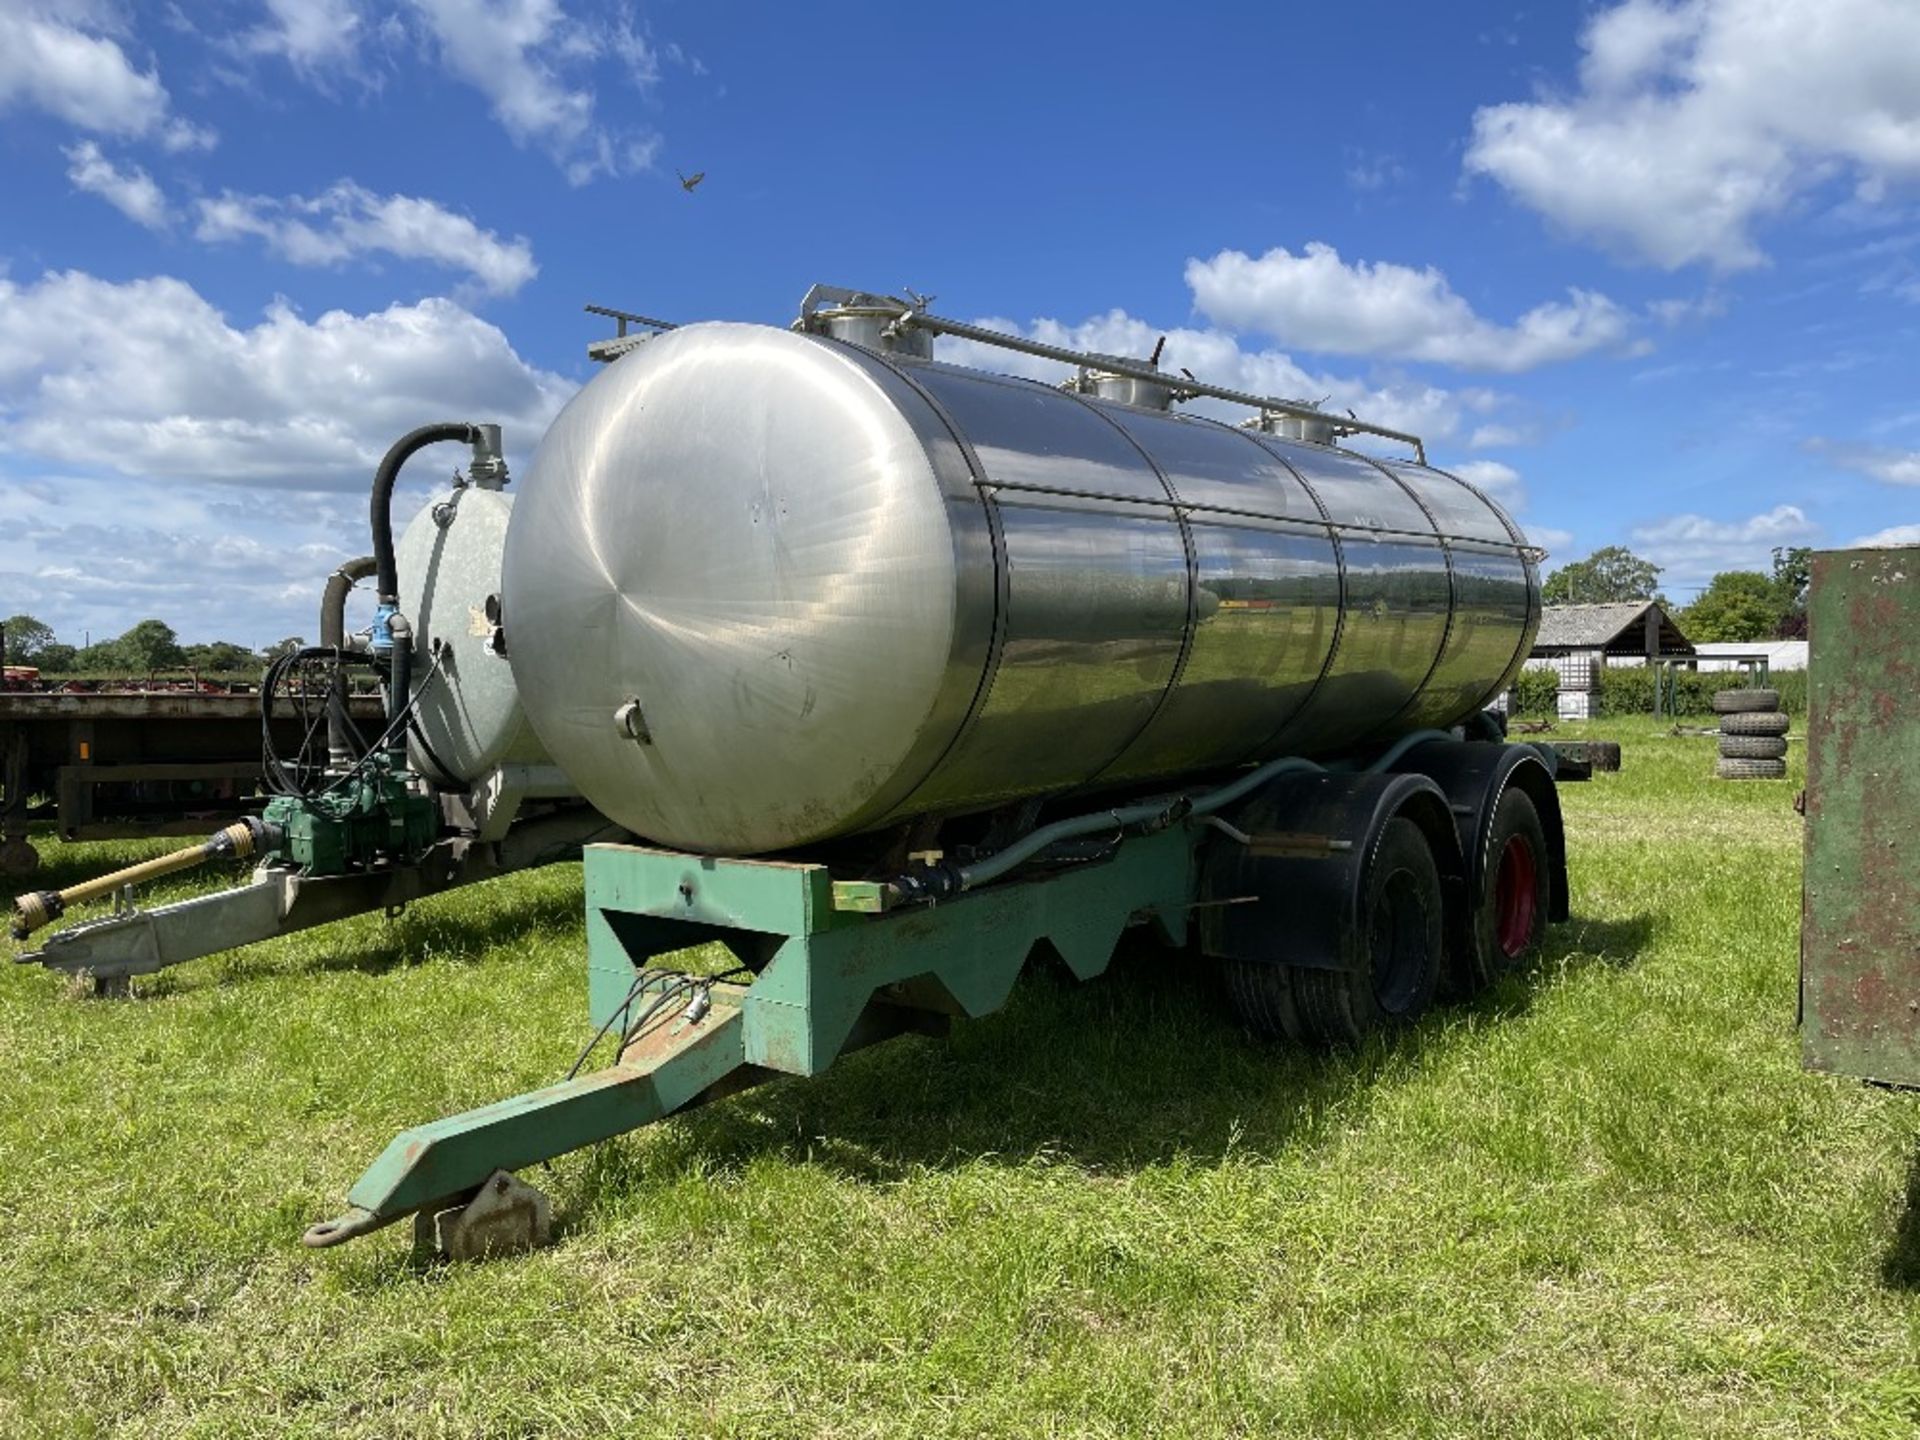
<point x="1578" y="642"/>
<point x="1729" y="654"/>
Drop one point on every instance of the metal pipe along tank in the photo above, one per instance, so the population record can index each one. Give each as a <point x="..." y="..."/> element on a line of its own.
<point x="764" y="588"/>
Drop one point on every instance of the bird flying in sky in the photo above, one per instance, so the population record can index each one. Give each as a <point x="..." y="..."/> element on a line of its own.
<point x="687" y="182"/>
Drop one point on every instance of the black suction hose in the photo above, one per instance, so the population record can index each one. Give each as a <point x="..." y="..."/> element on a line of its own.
<point x="381" y="511"/>
<point x="390" y="630"/>
<point x="333" y="601"/>
<point x="400" y="694"/>
<point x="333" y="636"/>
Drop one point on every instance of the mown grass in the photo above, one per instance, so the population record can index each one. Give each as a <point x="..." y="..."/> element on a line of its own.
<point x="1601" y="1200"/>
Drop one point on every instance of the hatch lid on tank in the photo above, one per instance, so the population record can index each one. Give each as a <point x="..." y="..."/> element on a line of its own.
<point x="864" y="318"/>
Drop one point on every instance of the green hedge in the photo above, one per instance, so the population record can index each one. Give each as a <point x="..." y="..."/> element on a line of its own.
<point x="1630" y="691"/>
<point x="1535" y="692"/>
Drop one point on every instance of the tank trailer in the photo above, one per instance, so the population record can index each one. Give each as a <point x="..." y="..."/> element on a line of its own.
<point x="887" y="674"/>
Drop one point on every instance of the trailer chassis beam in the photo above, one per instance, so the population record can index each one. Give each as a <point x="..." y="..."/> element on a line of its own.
<point x="828" y="979"/>
<point x="279" y="900"/>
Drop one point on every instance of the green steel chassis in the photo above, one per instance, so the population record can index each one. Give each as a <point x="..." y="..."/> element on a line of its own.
<point x="840" y="964"/>
<point x="833" y="974"/>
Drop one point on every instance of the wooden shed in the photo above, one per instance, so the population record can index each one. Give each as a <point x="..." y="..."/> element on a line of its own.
<point x="1578" y="641"/>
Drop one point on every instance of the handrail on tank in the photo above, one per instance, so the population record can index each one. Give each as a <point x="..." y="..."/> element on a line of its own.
<point x="1185" y="388"/>
<point x="914" y="316"/>
<point x="623" y="318"/>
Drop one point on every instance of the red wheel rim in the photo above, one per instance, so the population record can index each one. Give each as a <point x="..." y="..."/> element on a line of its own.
<point x="1515" y="902"/>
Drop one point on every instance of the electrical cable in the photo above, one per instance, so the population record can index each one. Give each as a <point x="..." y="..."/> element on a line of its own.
<point x="394" y="727"/>
<point x="679" y="982"/>
<point x="415" y="729"/>
<point x="296" y="775"/>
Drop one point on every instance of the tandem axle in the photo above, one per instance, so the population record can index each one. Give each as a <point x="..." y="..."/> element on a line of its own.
<point x="1337" y="901"/>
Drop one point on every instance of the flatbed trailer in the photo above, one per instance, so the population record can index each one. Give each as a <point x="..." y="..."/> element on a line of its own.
<point x="113" y="764"/>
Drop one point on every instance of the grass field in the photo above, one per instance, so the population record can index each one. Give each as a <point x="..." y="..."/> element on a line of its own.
<point x="1602" y="1200"/>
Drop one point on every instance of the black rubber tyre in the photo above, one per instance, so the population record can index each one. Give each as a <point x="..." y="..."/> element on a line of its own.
<point x="1600" y="754"/>
<point x="1755" y="722"/>
<point x="1509" y="916"/>
<point x="1753" y="747"/>
<point x="1261" y="993"/>
<point x="1750" y="769"/>
<point x="1405" y="938"/>
<point x="1732" y="702"/>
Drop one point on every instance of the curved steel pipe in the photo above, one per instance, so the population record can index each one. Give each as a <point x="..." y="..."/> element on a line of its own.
<point x="333" y="636"/>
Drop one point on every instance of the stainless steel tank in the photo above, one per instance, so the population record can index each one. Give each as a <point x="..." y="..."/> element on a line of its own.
<point x="762" y="588"/>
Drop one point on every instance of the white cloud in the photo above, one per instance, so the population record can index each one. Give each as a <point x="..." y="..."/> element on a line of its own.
<point x="1682" y="310"/>
<point x="75" y="553"/>
<point x="1693" y="548"/>
<point x="1695" y="119"/>
<point x="1498" y="437"/>
<point x="1369" y="170"/>
<point x="147" y="379"/>
<point x="131" y="192"/>
<point x="1878" y="462"/>
<point x="157" y="460"/>
<point x="1892" y="535"/>
<point x="311" y="35"/>
<point x="54" y="59"/>
<point x="1548" y="538"/>
<point x="349" y="220"/>
<point x="1215" y="356"/>
<point x="1317" y="301"/>
<point x="527" y="57"/>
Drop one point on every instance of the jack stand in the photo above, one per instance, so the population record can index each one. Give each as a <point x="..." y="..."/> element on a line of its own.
<point x="506" y="1217"/>
<point x="106" y="987"/>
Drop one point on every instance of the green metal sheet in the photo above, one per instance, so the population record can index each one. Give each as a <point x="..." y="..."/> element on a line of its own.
<point x="1860" y="926"/>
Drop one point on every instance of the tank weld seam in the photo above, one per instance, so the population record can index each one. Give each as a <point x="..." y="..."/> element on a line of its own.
<point x="1507" y="522"/>
<point x="1204" y="509"/>
<point x="1453" y="595"/>
<point x="1189" y="626"/>
<point x="1341" y="604"/>
<point x="996" y="642"/>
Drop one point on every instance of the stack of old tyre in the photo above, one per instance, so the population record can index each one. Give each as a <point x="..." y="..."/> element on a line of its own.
<point x="1753" y="735"/>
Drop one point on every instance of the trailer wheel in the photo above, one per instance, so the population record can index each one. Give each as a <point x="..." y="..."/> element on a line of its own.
<point x="1262" y="995"/>
<point x="1404" y="935"/>
<point x="1510" y="912"/>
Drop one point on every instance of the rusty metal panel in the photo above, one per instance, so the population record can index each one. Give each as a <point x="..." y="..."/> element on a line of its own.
<point x="1860" y="914"/>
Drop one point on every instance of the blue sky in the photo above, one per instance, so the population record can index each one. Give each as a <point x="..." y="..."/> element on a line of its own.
<point x="1649" y="271"/>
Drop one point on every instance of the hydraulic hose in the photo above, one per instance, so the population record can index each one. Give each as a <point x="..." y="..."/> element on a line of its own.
<point x="1153" y="814"/>
<point x="381" y="510"/>
<point x="333" y="636"/>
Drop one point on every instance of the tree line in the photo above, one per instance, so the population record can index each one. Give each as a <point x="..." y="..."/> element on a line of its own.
<point x="150" y="647"/>
<point x="1737" y="605"/>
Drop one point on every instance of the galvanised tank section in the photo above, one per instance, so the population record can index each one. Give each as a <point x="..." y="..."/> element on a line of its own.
<point x="763" y="588"/>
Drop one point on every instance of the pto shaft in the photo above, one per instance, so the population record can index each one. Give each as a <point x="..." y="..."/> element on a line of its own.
<point x="239" y="841"/>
